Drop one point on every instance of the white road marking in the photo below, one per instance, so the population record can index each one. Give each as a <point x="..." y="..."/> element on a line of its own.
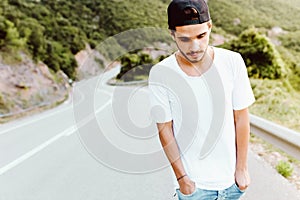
<point x="33" y="151"/>
<point x="67" y="132"/>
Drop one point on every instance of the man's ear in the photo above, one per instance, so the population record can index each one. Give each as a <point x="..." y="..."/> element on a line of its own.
<point x="172" y="33"/>
<point x="210" y="25"/>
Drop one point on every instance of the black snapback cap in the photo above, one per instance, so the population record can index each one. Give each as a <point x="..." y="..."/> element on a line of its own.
<point x="187" y="12"/>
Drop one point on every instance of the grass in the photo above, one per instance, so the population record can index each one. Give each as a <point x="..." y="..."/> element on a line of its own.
<point x="5" y="102"/>
<point x="10" y="58"/>
<point x="292" y="59"/>
<point x="276" y="101"/>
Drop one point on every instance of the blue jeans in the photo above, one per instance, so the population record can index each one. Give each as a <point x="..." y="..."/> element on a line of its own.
<point x="231" y="193"/>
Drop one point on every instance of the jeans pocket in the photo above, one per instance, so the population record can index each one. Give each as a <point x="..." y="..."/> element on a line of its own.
<point x="182" y="196"/>
<point x="238" y="189"/>
<point x="234" y="192"/>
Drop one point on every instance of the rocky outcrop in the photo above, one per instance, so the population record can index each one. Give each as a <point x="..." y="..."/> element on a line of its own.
<point x="90" y="63"/>
<point x="27" y="85"/>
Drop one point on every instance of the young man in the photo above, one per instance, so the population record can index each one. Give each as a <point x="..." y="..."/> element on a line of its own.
<point x="200" y="97"/>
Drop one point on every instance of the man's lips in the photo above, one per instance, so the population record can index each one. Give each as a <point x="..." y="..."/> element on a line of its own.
<point x="194" y="54"/>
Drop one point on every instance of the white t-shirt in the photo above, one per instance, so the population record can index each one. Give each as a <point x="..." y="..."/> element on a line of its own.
<point x="201" y="108"/>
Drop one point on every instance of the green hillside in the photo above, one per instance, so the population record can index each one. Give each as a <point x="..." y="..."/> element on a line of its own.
<point x="266" y="13"/>
<point x="53" y="31"/>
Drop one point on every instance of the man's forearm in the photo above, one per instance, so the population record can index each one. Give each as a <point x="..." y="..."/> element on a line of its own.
<point x="171" y="150"/>
<point x="242" y="128"/>
<point x="168" y="141"/>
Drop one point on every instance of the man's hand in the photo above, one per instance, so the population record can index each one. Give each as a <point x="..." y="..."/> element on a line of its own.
<point x="242" y="178"/>
<point x="187" y="186"/>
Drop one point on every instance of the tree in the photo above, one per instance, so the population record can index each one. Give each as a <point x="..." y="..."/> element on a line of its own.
<point x="261" y="57"/>
<point x="129" y="61"/>
<point x="33" y="33"/>
<point x="136" y="63"/>
<point x="9" y="35"/>
<point x="60" y="58"/>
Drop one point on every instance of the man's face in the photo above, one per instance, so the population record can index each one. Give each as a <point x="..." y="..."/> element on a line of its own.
<point x="192" y="40"/>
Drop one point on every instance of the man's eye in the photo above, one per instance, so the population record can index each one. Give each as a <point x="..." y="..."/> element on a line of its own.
<point x="184" y="39"/>
<point x="201" y="36"/>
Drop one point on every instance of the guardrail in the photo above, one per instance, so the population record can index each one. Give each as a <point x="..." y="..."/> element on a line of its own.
<point x="41" y="105"/>
<point x="24" y="110"/>
<point x="281" y="137"/>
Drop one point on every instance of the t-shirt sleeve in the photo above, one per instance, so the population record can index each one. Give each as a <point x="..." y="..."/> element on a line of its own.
<point x="159" y="99"/>
<point x="242" y="96"/>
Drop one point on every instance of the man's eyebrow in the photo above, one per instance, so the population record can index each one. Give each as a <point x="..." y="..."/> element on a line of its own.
<point x="183" y="37"/>
<point x="201" y="34"/>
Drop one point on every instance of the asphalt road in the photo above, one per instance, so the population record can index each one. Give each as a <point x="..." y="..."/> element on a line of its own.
<point x="84" y="150"/>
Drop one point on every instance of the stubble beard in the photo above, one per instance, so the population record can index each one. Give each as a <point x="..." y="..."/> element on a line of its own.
<point x="193" y="61"/>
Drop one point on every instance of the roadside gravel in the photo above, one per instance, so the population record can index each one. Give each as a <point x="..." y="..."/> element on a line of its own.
<point x="273" y="155"/>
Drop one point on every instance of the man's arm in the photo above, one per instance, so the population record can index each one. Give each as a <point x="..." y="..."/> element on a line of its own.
<point x="171" y="150"/>
<point x="242" y="131"/>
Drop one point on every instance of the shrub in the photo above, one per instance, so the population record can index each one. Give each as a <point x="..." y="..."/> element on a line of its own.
<point x="2" y="103"/>
<point x="261" y="57"/>
<point x="6" y="103"/>
<point x="134" y="64"/>
<point x="284" y="168"/>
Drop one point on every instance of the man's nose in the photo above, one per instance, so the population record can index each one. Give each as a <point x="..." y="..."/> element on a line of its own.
<point x="195" y="44"/>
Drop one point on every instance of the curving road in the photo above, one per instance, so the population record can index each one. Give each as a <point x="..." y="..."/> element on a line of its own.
<point x="87" y="149"/>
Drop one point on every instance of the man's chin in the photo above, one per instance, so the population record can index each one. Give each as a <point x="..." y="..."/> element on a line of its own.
<point x="194" y="60"/>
